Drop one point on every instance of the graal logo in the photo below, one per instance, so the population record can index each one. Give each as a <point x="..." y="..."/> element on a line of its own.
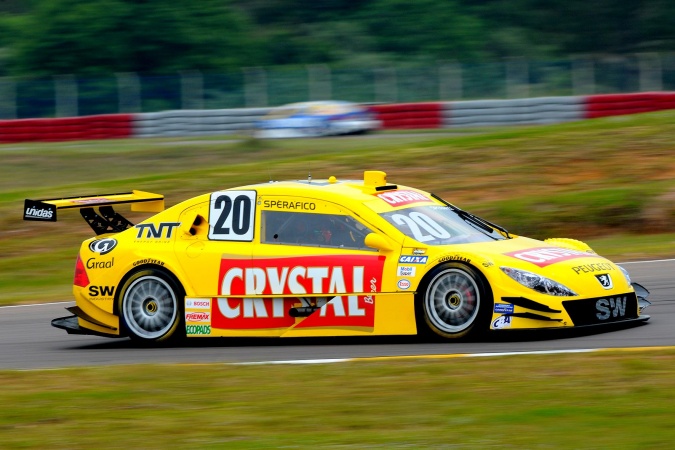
<point x="605" y="280"/>
<point x="102" y="246"/>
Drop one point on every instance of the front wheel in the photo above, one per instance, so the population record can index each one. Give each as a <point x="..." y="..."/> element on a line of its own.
<point x="150" y="306"/>
<point x="456" y="301"/>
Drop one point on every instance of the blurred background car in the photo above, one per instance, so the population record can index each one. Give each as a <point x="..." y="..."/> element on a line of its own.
<point x="316" y="119"/>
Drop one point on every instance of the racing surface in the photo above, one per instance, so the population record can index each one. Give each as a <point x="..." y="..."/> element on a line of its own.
<point x="28" y="341"/>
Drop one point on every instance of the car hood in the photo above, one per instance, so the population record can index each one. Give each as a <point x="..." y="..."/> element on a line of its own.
<point x="581" y="270"/>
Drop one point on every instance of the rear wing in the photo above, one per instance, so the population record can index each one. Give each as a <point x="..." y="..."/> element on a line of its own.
<point x="106" y="220"/>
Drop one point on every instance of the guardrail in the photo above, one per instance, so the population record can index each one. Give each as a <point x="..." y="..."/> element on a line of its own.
<point x="525" y="111"/>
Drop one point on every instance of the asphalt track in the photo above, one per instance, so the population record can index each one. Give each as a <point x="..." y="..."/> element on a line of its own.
<point x="28" y="341"/>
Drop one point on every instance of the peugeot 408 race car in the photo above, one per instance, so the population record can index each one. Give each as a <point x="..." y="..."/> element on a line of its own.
<point x="326" y="258"/>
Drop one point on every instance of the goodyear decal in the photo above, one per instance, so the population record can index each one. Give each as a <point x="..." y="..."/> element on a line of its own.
<point x="295" y="277"/>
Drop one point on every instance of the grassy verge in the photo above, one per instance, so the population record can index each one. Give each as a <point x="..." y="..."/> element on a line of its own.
<point x="588" y="180"/>
<point x="599" y="400"/>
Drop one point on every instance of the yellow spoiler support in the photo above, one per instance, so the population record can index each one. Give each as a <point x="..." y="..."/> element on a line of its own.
<point x="108" y="220"/>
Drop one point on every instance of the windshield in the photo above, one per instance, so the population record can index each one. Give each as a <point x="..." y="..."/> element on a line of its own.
<point x="441" y="225"/>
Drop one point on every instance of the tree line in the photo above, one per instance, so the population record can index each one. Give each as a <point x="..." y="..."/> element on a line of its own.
<point x="50" y="37"/>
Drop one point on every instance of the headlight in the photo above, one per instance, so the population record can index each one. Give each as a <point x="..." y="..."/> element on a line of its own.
<point x="538" y="283"/>
<point x="625" y="274"/>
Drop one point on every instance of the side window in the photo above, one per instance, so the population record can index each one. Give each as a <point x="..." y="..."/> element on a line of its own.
<point x="320" y="230"/>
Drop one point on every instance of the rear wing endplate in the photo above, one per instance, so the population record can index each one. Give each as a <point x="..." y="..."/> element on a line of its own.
<point x="106" y="220"/>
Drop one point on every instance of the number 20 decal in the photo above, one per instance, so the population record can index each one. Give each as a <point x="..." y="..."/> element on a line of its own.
<point x="231" y="215"/>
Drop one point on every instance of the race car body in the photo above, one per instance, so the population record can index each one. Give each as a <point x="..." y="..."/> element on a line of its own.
<point x="330" y="258"/>
<point x="316" y="119"/>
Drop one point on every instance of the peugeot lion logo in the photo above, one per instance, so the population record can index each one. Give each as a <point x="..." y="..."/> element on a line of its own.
<point x="605" y="280"/>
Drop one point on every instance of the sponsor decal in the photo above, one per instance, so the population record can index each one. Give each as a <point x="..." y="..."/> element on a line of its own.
<point x="406" y="271"/>
<point x="279" y="204"/>
<point x="605" y="280"/>
<point x="294" y="278"/>
<point x="487" y="264"/>
<point x="503" y="308"/>
<point x="148" y="261"/>
<point x="197" y="317"/>
<point x="198" y="303"/>
<point x="201" y="330"/>
<point x="545" y="256"/>
<point x="163" y="231"/>
<point x="103" y="246"/>
<point x="101" y="291"/>
<point x="501" y="322"/>
<point x="610" y="307"/>
<point x="35" y="210"/>
<point x="590" y="268"/>
<point x="410" y="259"/>
<point x="419" y="251"/>
<point x="454" y="258"/>
<point x="401" y="198"/>
<point x="91" y="201"/>
<point x="403" y="284"/>
<point x="92" y="263"/>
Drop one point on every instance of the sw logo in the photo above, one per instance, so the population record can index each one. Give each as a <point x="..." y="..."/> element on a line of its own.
<point x="605" y="280"/>
<point x="613" y="307"/>
<point x="101" y="291"/>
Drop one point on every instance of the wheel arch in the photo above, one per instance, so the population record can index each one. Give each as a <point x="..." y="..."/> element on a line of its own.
<point x="156" y="267"/>
<point x="421" y="292"/>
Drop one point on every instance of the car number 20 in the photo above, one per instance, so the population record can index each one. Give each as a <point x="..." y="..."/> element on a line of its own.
<point x="231" y="215"/>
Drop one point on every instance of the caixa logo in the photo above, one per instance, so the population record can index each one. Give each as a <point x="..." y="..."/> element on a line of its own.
<point x="103" y="246"/>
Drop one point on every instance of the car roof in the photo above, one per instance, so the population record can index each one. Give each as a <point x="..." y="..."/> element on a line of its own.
<point x="332" y="189"/>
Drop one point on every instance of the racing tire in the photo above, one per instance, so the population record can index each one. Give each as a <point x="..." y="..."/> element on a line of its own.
<point x="455" y="301"/>
<point x="150" y="306"/>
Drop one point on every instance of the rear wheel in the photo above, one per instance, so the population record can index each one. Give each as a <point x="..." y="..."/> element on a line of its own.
<point x="150" y="306"/>
<point x="455" y="301"/>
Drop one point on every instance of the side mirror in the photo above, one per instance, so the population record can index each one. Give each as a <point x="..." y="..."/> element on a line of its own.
<point x="374" y="240"/>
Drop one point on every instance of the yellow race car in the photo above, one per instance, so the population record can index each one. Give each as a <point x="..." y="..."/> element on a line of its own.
<point x="326" y="258"/>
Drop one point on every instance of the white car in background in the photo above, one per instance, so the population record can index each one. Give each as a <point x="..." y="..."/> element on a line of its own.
<point x="316" y="119"/>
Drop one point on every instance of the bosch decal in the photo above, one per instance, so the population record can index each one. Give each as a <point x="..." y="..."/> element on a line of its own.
<point x="410" y="259"/>
<point x="297" y="277"/>
<point x="401" y="198"/>
<point x="198" y="303"/>
<point x="545" y="256"/>
<point x="103" y="246"/>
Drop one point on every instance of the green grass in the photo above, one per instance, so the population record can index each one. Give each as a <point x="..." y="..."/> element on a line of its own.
<point x="610" y="179"/>
<point x="597" y="400"/>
